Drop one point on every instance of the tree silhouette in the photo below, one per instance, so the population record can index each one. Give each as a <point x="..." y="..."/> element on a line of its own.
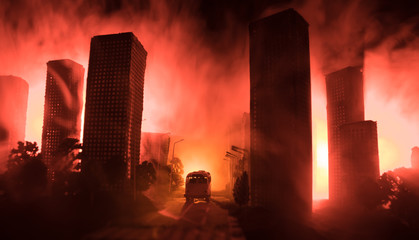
<point x="400" y="190"/>
<point x="66" y="165"/>
<point x="67" y="156"/>
<point x="146" y="175"/>
<point x="26" y="175"/>
<point x="24" y="153"/>
<point x="241" y="189"/>
<point x="177" y="172"/>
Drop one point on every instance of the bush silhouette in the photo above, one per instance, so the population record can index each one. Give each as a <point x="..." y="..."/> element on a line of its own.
<point x="241" y="189"/>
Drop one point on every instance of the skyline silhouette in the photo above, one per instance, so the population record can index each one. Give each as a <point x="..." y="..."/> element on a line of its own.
<point x="190" y="77"/>
<point x="231" y="90"/>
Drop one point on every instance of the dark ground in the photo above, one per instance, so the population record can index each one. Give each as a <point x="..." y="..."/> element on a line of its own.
<point x="327" y="223"/>
<point x="48" y="218"/>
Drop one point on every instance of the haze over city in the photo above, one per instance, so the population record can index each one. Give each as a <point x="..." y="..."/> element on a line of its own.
<point x="197" y="82"/>
<point x="197" y="71"/>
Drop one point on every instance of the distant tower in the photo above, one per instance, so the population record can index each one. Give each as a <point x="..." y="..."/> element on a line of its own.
<point x="13" y="107"/>
<point x="345" y="104"/>
<point x="280" y="115"/>
<point x="415" y="158"/>
<point x="359" y="157"/>
<point x="113" y="114"/>
<point x="62" y="108"/>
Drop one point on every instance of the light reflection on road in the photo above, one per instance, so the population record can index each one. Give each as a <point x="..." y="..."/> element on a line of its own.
<point x="178" y="220"/>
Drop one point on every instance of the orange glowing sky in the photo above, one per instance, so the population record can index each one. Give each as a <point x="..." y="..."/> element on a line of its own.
<point x="197" y="83"/>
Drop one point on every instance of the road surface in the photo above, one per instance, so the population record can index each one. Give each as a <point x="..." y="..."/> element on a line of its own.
<point x="177" y="221"/>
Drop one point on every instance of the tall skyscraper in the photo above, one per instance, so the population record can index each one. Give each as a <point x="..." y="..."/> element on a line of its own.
<point x="345" y="104"/>
<point x="113" y="114"/>
<point x="359" y="158"/>
<point x="13" y="106"/>
<point x="280" y="115"/>
<point x="62" y="108"/>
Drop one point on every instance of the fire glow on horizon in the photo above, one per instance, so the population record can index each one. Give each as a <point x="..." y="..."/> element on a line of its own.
<point x="193" y="89"/>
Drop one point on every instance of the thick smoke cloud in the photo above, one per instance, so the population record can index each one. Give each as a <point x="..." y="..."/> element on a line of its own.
<point x="382" y="35"/>
<point x="193" y="84"/>
<point x="197" y="68"/>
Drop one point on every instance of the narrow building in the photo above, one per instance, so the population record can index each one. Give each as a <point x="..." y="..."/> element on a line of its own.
<point x="359" y="159"/>
<point x="280" y="115"/>
<point x="62" y="109"/>
<point x="113" y="112"/>
<point x="345" y="104"/>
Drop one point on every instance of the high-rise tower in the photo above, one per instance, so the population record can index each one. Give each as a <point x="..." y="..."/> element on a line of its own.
<point x="359" y="159"/>
<point x="13" y="107"/>
<point x="113" y="114"/>
<point x="280" y="115"/>
<point x="62" y="108"/>
<point x="345" y="104"/>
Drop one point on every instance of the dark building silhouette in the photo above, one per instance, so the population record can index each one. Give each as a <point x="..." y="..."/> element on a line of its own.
<point x="239" y="148"/>
<point x="245" y="139"/>
<point x="62" y="108"/>
<point x="415" y="158"/>
<point x="280" y="115"/>
<point x="345" y="104"/>
<point x="359" y="158"/>
<point x="113" y="114"/>
<point x="13" y="107"/>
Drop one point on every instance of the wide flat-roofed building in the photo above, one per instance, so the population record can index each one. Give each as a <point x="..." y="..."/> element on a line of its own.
<point x="155" y="148"/>
<point x="414" y="158"/>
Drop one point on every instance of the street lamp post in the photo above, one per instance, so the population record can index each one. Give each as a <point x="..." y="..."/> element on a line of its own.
<point x="232" y="157"/>
<point x="171" y="165"/>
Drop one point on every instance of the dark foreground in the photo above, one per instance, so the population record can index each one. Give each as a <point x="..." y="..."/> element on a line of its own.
<point x="174" y="219"/>
<point x="178" y="220"/>
<point x="113" y="219"/>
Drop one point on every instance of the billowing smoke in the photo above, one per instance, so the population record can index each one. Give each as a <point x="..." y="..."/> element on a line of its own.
<point x="197" y="77"/>
<point x="193" y="83"/>
<point x="382" y="35"/>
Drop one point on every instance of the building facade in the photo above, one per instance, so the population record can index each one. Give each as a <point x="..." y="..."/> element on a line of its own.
<point x="155" y="148"/>
<point x="280" y="115"/>
<point x="113" y="112"/>
<point x="13" y="107"/>
<point x="359" y="158"/>
<point x="345" y="104"/>
<point x="62" y="109"/>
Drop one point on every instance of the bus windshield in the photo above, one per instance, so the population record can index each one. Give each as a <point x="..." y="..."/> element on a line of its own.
<point x="197" y="179"/>
<point x="198" y="185"/>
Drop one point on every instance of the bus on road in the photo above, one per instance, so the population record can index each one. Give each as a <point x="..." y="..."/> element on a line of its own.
<point x="198" y="186"/>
